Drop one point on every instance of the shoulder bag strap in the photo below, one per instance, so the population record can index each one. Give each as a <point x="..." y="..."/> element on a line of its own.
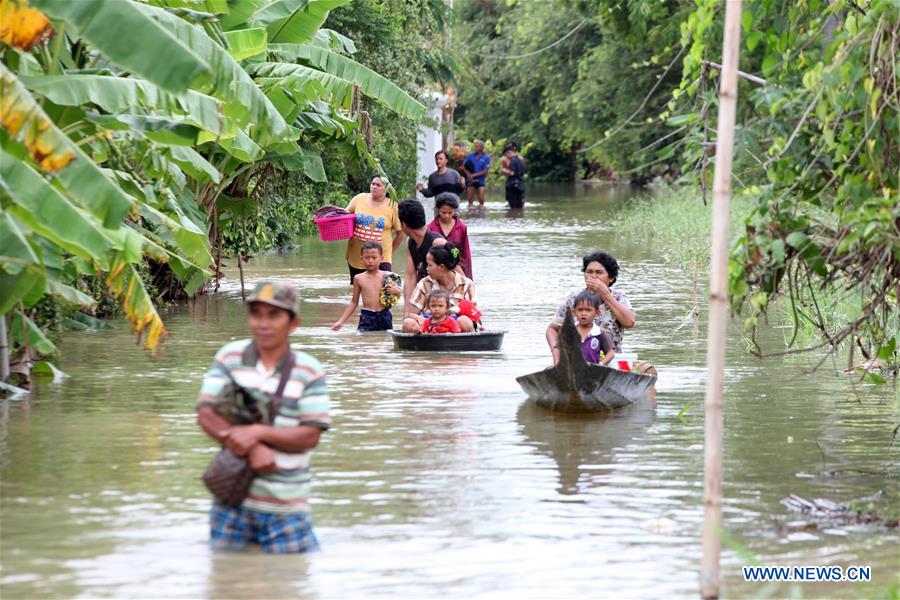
<point x="286" y="370"/>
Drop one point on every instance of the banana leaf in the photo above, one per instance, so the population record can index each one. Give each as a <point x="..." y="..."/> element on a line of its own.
<point x="90" y="322"/>
<point x="120" y="94"/>
<point x="189" y="239"/>
<point x="23" y="330"/>
<point x="297" y="78"/>
<point x="69" y="294"/>
<point x="213" y="7"/>
<point x="20" y="268"/>
<point x="26" y="122"/>
<point x="242" y="147"/>
<point x="193" y="163"/>
<point x="327" y="38"/>
<point x="293" y="21"/>
<point x="126" y="285"/>
<point x="244" y="43"/>
<point x="42" y="208"/>
<point x="244" y="101"/>
<point x="309" y="162"/>
<point x="159" y="129"/>
<point x="371" y="83"/>
<point x="114" y="27"/>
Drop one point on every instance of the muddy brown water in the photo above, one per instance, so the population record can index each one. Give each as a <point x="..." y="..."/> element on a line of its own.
<point x="438" y="478"/>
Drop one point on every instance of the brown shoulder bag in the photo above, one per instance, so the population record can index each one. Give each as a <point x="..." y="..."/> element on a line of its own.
<point x="229" y="476"/>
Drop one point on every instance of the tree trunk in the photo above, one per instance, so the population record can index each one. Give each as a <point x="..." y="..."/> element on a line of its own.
<point x="718" y="305"/>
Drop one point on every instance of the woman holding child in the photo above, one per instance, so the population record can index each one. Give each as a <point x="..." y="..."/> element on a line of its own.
<point x="441" y="262"/>
<point x="615" y="313"/>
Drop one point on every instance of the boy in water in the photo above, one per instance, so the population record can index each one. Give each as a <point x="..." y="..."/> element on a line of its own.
<point x="375" y="315"/>
<point x="440" y="321"/>
<point x="596" y="344"/>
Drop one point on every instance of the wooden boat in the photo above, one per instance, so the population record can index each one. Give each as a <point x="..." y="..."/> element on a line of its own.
<point x="479" y="341"/>
<point x="576" y="386"/>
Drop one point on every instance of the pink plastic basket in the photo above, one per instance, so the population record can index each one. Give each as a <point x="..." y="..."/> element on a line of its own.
<point x="335" y="228"/>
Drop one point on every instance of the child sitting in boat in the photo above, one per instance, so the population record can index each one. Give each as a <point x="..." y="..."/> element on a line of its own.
<point x="379" y="292"/>
<point x="596" y="345"/>
<point x="440" y="321"/>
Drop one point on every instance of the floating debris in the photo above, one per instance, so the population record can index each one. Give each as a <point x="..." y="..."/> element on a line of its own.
<point x="855" y="512"/>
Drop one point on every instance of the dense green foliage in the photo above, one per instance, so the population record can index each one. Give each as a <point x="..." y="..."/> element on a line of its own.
<point x="120" y="167"/>
<point x="820" y="139"/>
<point x="629" y="88"/>
<point x="401" y="40"/>
<point x="571" y="100"/>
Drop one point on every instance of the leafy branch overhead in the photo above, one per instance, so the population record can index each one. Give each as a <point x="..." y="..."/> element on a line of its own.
<point x="117" y="149"/>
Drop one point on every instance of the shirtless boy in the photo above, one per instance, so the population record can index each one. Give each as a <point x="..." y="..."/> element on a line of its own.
<point x="375" y="316"/>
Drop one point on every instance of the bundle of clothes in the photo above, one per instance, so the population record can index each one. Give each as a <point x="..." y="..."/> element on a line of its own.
<point x="330" y="210"/>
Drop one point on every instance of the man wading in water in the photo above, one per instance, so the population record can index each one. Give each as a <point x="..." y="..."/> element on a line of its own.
<point x="248" y="378"/>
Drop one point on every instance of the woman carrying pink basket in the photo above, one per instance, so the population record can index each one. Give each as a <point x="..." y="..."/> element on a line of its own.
<point x="376" y="221"/>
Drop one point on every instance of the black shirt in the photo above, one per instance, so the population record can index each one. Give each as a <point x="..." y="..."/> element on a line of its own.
<point x="448" y="181"/>
<point x="418" y="253"/>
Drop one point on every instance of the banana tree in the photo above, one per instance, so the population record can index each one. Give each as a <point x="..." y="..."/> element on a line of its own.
<point x="112" y="157"/>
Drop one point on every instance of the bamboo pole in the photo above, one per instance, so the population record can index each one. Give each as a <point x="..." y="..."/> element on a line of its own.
<point x="718" y="305"/>
<point x="4" y="351"/>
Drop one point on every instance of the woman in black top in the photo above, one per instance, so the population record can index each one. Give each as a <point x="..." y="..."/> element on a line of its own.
<point x="421" y="239"/>
<point x="442" y="180"/>
<point x="514" y="169"/>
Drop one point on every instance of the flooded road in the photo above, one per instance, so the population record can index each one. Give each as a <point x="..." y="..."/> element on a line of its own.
<point x="438" y="479"/>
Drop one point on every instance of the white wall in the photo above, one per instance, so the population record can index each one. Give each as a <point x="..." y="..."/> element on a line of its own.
<point x="429" y="138"/>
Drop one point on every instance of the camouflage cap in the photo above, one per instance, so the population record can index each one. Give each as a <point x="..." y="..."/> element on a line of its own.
<point x="277" y="293"/>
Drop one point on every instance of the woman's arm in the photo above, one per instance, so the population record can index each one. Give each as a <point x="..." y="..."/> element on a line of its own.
<point x="553" y="342"/>
<point x="399" y="236"/>
<point x="409" y="283"/>
<point x="623" y="314"/>
<point x="467" y="253"/>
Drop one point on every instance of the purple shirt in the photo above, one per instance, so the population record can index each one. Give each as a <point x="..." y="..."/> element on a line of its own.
<point x="596" y="341"/>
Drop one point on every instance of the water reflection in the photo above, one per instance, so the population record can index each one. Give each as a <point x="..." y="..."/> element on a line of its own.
<point x="257" y="575"/>
<point x="436" y="480"/>
<point x="583" y="446"/>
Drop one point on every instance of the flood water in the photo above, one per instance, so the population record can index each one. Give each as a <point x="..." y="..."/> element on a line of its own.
<point x="438" y="479"/>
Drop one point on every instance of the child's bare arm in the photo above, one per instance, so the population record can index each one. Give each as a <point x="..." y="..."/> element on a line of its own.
<point x="607" y="357"/>
<point x="351" y="306"/>
<point x="609" y="350"/>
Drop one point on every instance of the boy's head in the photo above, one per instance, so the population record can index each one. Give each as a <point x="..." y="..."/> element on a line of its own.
<point x="371" y="255"/>
<point x="273" y="313"/>
<point x="412" y="215"/>
<point x="586" y="307"/>
<point x="438" y="303"/>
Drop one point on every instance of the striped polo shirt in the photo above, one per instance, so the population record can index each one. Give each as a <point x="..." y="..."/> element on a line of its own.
<point x="463" y="288"/>
<point x="237" y="366"/>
